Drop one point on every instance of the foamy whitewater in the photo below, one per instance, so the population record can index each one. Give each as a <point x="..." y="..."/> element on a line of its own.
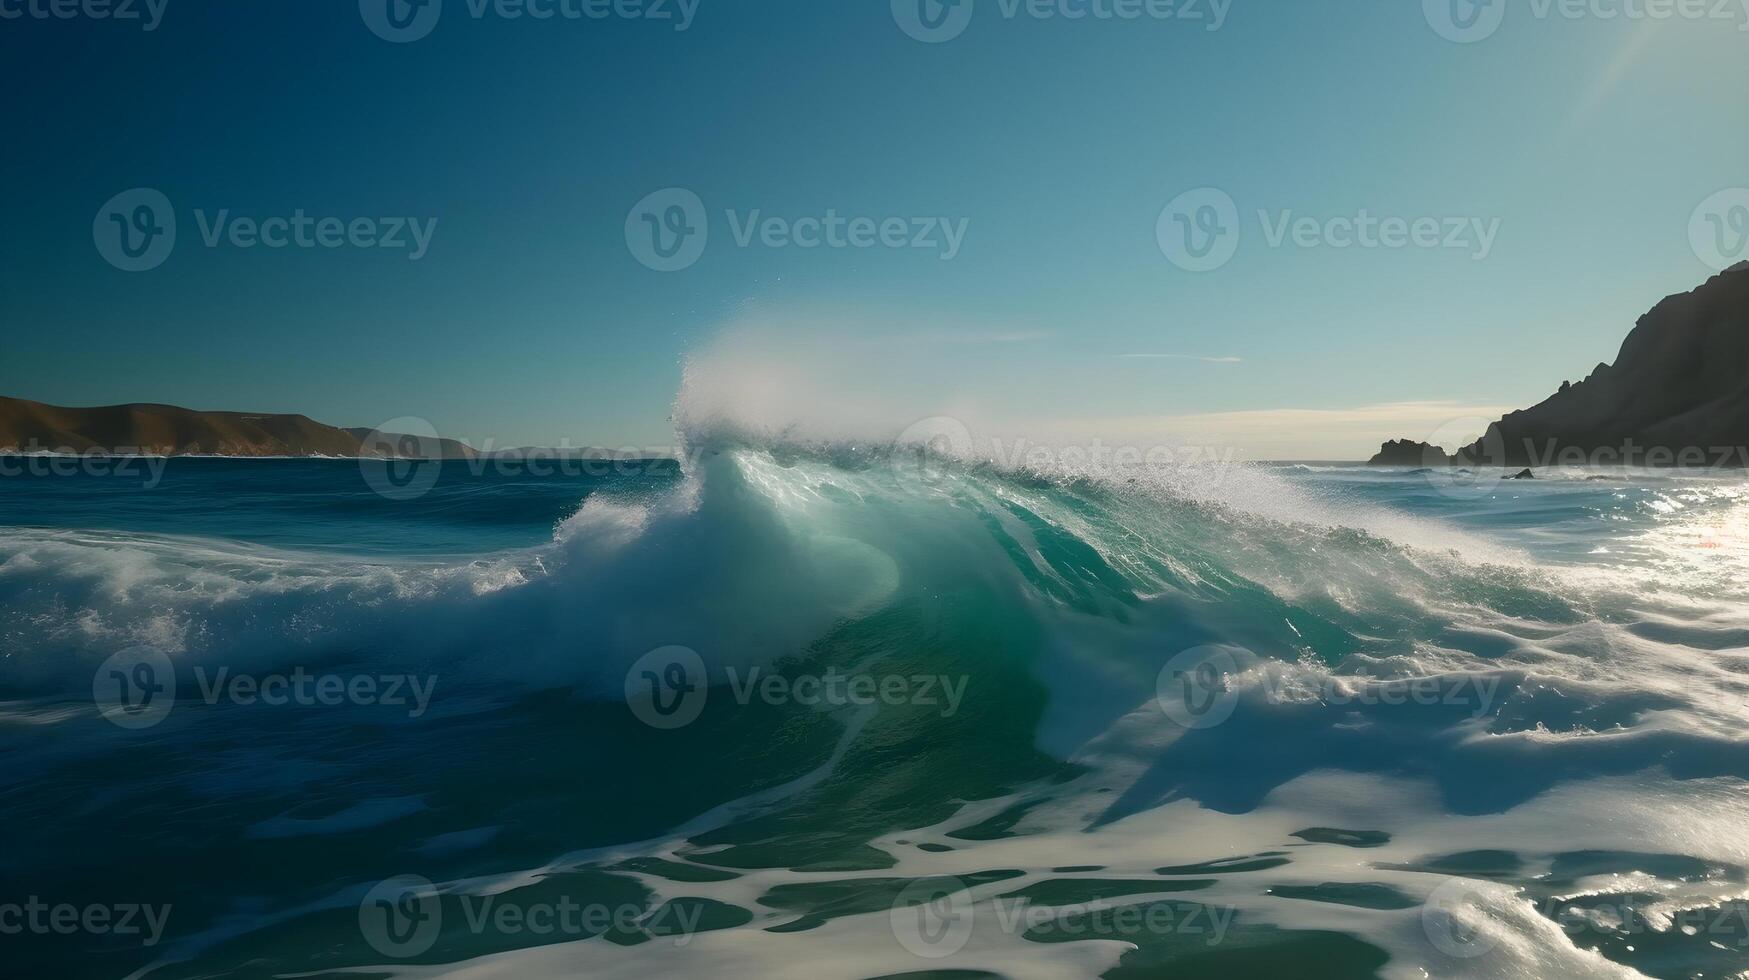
<point x="1172" y="719"/>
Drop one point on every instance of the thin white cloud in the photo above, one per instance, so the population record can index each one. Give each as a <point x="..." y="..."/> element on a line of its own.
<point x="1626" y="59"/>
<point x="1302" y="433"/>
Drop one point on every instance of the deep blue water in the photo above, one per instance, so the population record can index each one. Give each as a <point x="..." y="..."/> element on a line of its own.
<point x="320" y="504"/>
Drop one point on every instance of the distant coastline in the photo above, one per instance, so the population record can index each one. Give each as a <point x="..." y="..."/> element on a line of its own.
<point x="1676" y="396"/>
<point x="143" y="430"/>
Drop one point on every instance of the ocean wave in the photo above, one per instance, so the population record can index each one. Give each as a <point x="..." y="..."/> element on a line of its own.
<point x="1398" y="687"/>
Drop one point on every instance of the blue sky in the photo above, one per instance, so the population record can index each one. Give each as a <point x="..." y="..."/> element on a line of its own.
<point x="1585" y="143"/>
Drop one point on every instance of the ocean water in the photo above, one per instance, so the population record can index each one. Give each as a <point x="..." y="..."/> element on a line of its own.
<point x="816" y="711"/>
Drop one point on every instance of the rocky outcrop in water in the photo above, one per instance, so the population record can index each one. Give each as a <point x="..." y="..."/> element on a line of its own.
<point x="1405" y="452"/>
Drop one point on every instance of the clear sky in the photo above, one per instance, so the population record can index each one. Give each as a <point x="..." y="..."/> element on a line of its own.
<point x="1572" y="151"/>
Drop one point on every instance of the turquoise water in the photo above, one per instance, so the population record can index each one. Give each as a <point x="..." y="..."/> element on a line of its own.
<point x="827" y="713"/>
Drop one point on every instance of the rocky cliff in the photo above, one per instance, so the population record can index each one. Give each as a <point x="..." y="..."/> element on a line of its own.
<point x="1677" y="392"/>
